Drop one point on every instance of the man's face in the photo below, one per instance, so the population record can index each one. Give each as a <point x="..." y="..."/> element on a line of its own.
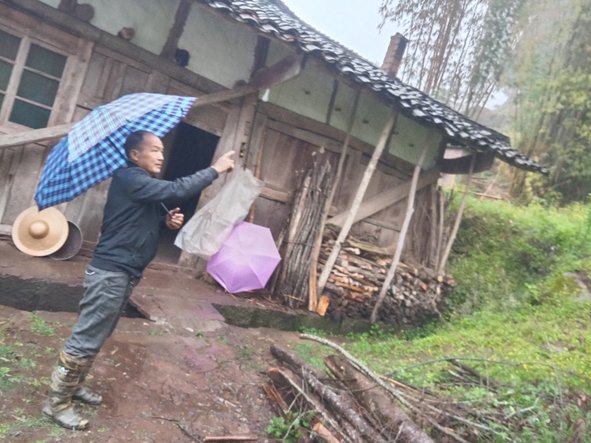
<point x="149" y="154"/>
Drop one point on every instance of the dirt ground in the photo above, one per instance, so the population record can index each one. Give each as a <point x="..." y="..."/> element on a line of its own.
<point x="179" y="376"/>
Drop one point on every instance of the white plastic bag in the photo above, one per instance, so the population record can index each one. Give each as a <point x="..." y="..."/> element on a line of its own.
<point x="205" y="232"/>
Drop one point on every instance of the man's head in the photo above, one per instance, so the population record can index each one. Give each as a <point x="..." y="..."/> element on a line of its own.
<point x="145" y="150"/>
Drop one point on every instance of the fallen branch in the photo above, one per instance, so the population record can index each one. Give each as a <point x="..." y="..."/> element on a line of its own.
<point x="337" y="403"/>
<point x="285" y="376"/>
<point x="394" y="420"/>
<point x="395" y="393"/>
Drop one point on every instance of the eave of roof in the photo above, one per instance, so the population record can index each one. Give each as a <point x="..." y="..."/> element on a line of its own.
<point x="273" y="17"/>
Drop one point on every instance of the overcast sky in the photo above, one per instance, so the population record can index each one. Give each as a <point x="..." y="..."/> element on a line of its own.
<point x="354" y="23"/>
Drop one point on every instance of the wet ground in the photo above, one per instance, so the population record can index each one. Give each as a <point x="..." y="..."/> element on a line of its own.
<point x="178" y="375"/>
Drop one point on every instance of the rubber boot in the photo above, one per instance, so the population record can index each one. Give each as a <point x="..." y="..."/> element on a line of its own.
<point x="65" y="381"/>
<point x="84" y="394"/>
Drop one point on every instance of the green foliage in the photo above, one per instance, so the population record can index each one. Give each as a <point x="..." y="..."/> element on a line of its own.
<point x="505" y="255"/>
<point x="289" y="427"/>
<point x="40" y="327"/>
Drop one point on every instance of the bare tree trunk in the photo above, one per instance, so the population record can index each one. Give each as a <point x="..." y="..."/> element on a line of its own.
<point x="395" y="421"/>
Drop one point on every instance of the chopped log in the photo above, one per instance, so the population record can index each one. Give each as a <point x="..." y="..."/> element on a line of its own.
<point x="323" y="433"/>
<point x="394" y="420"/>
<point x="322" y="305"/>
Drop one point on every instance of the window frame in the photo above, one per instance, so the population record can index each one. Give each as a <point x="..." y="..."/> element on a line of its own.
<point x="29" y="36"/>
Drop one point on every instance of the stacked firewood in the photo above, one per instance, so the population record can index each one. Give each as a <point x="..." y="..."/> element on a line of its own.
<point x="415" y="296"/>
<point x="293" y="277"/>
<point x="353" y="404"/>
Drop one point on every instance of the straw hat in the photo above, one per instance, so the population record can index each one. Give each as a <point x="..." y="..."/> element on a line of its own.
<point x="40" y="233"/>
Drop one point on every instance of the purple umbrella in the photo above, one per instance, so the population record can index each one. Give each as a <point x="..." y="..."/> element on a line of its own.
<point x="246" y="259"/>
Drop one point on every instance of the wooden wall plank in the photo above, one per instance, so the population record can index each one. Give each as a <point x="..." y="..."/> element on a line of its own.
<point x="135" y="80"/>
<point x="24" y="182"/>
<point x="9" y="161"/>
<point x="71" y="84"/>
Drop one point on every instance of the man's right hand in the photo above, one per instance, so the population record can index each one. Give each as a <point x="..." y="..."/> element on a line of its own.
<point x="224" y="163"/>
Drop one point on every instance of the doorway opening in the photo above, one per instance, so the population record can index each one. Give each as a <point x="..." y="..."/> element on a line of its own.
<point x="187" y="149"/>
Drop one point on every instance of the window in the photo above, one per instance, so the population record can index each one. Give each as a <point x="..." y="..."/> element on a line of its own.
<point x="30" y="76"/>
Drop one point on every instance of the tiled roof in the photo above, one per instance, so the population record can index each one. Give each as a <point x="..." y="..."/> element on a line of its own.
<point x="273" y="17"/>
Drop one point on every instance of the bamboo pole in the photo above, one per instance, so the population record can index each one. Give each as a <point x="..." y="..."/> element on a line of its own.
<point x="313" y="280"/>
<point x="440" y="225"/>
<point x="369" y="170"/>
<point x="456" y="227"/>
<point x="410" y="208"/>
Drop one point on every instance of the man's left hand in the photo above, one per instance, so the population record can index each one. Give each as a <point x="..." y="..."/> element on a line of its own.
<point x="174" y="219"/>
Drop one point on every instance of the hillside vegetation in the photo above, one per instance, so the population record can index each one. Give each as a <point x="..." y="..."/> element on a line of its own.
<point x="520" y="317"/>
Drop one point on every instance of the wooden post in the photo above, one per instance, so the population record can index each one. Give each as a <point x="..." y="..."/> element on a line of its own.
<point x="313" y="283"/>
<point x="458" y="220"/>
<point x="440" y="225"/>
<point x="371" y="166"/>
<point x="180" y="19"/>
<point x="410" y="208"/>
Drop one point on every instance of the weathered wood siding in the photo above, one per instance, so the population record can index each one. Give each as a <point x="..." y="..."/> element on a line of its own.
<point x="277" y="144"/>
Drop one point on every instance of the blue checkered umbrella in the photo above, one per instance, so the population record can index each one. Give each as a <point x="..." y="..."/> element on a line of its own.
<point x="93" y="150"/>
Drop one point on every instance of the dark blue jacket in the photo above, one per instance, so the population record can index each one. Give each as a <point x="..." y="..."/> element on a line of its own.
<point x="132" y="216"/>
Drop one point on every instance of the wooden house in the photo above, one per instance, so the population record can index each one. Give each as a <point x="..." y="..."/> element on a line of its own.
<point x="269" y="87"/>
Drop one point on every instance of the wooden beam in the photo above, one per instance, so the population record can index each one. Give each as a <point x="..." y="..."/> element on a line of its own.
<point x="284" y="119"/>
<point x="180" y="19"/>
<point x="275" y="195"/>
<point x="458" y="220"/>
<point x="461" y="165"/>
<point x="410" y="209"/>
<point x="37" y="135"/>
<point x="279" y="72"/>
<point x="369" y="170"/>
<point x="385" y="199"/>
<point x="34" y="135"/>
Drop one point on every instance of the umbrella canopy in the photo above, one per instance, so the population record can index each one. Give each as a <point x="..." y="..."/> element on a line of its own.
<point x="246" y="259"/>
<point x="93" y="150"/>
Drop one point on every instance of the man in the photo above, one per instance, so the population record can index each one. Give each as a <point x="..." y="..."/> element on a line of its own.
<point x="132" y="217"/>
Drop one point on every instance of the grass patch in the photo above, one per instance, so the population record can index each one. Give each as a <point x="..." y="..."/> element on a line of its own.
<point x="39" y="326"/>
<point x="517" y="317"/>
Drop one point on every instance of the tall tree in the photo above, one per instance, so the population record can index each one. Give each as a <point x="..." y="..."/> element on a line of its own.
<point x="457" y="48"/>
<point x="554" y="100"/>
